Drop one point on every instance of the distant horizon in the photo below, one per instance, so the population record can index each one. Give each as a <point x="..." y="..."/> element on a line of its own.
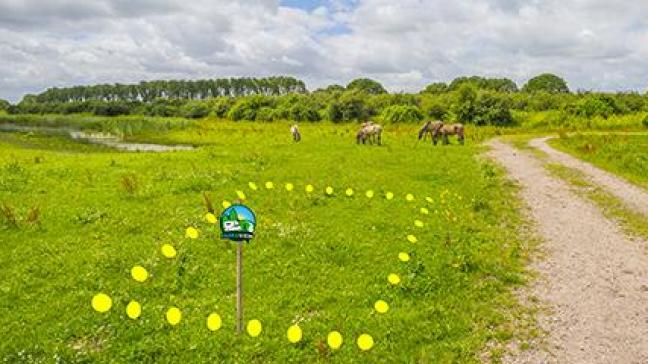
<point x="594" y="46"/>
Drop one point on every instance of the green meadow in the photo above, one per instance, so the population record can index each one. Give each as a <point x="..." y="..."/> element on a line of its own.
<point x="76" y="218"/>
<point x="622" y="154"/>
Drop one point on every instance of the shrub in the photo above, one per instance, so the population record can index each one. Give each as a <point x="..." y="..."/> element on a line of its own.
<point x="194" y="110"/>
<point x="644" y="122"/>
<point x="402" y="114"/>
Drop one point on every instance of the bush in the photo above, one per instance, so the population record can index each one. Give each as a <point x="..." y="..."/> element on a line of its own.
<point x="194" y="110"/>
<point x="402" y="114"/>
<point x="644" y="122"/>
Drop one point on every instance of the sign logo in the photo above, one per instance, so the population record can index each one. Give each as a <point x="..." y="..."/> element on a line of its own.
<point x="237" y="223"/>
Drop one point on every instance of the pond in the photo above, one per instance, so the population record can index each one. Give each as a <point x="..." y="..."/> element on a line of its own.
<point x="101" y="138"/>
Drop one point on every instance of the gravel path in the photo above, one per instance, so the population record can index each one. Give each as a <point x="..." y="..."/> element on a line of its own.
<point x="633" y="196"/>
<point x="593" y="278"/>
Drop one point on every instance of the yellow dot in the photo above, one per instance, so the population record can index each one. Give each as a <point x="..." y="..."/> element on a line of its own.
<point x="211" y="218"/>
<point x="381" y="306"/>
<point x="133" y="310"/>
<point x="409" y="197"/>
<point x="393" y="279"/>
<point x="334" y="340"/>
<point x="403" y="257"/>
<point x="429" y="199"/>
<point x="349" y="192"/>
<point x="191" y="233"/>
<point x="252" y="186"/>
<point x="424" y="211"/>
<point x="168" y="251"/>
<point x="369" y="193"/>
<point x="329" y="190"/>
<point x="365" y="342"/>
<point x="226" y="204"/>
<point x="173" y="315"/>
<point x="240" y="194"/>
<point x="101" y="302"/>
<point x="254" y="328"/>
<point x="294" y="334"/>
<point x="269" y="185"/>
<point x="389" y="195"/>
<point x="418" y="223"/>
<point x="214" y="322"/>
<point x="289" y="187"/>
<point x="310" y="188"/>
<point x="139" y="273"/>
<point x="412" y="238"/>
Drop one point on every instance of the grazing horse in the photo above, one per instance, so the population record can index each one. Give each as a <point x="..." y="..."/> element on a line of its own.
<point x="428" y="128"/>
<point x="294" y="130"/>
<point x="370" y="132"/>
<point x="449" y="129"/>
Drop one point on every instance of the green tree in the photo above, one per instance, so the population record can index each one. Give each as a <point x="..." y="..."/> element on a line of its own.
<point x="366" y="85"/>
<point x="435" y="88"/>
<point x="4" y="105"/>
<point x="546" y="82"/>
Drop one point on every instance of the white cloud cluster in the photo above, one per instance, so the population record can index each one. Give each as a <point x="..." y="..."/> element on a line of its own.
<point x="594" y="44"/>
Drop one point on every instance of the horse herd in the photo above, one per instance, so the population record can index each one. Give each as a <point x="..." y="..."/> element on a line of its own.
<point x="371" y="132"/>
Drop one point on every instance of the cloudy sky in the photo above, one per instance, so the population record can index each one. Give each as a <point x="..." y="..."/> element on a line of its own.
<point x="405" y="44"/>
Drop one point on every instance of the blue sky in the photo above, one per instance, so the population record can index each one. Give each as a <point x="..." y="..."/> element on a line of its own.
<point x="405" y="44"/>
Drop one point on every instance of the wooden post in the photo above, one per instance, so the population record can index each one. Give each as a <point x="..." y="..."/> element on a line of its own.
<point x="239" y="287"/>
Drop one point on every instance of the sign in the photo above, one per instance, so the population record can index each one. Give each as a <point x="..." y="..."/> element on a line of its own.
<point x="237" y="223"/>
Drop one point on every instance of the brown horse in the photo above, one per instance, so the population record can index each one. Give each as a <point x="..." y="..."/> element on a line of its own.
<point x="428" y="128"/>
<point x="438" y="128"/>
<point x="370" y="132"/>
<point x="449" y="129"/>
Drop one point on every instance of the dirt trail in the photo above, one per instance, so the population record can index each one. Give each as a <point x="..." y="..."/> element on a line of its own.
<point x="634" y="197"/>
<point x="593" y="278"/>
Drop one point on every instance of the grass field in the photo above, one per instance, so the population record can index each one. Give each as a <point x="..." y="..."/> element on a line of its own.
<point x="622" y="154"/>
<point x="76" y="218"/>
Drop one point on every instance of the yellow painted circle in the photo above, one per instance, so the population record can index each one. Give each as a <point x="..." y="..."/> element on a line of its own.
<point x="134" y="310"/>
<point x="349" y="191"/>
<point x="168" y="251"/>
<point x="101" y="302"/>
<point x="289" y="186"/>
<point x="418" y="223"/>
<point x="214" y="322"/>
<point x="252" y="186"/>
<point x="226" y="204"/>
<point x="369" y="193"/>
<point x="329" y="190"/>
<point x="173" y="315"/>
<point x="409" y="197"/>
<point x="191" y="233"/>
<point x="424" y="211"/>
<point x="139" y="273"/>
<point x="381" y="306"/>
<point x="254" y="328"/>
<point x="389" y="195"/>
<point x="403" y="257"/>
<point x="211" y="218"/>
<point x="294" y="334"/>
<point x="412" y="238"/>
<point x="393" y="279"/>
<point x="334" y="340"/>
<point x="269" y="185"/>
<point x="309" y="188"/>
<point x="365" y="342"/>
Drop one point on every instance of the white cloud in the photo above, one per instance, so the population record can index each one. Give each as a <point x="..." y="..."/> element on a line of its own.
<point x="405" y="44"/>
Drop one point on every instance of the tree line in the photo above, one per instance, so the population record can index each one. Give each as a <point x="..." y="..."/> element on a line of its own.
<point x="475" y="100"/>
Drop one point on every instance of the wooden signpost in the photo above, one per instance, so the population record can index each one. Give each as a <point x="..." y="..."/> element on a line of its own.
<point x="237" y="223"/>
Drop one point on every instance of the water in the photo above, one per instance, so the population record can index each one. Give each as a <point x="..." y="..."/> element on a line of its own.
<point x="100" y="138"/>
